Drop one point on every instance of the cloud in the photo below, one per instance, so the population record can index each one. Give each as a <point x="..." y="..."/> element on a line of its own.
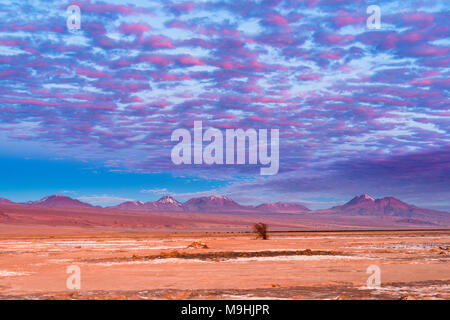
<point x="133" y="73"/>
<point x="157" y="191"/>
<point x="103" y="200"/>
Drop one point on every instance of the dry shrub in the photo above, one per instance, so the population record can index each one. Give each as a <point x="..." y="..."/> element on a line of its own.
<point x="261" y="230"/>
<point x="198" y="245"/>
<point x="171" y="254"/>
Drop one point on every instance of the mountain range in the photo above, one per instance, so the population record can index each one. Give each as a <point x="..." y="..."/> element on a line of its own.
<point x="362" y="205"/>
<point x="166" y="203"/>
<point x="365" y="205"/>
<point x="213" y="213"/>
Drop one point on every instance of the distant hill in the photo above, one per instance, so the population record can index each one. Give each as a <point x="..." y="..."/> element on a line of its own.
<point x="59" y="201"/>
<point x="214" y="204"/>
<point x="5" y="201"/>
<point x="281" y="207"/>
<point x="365" y="205"/>
<point x="165" y="203"/>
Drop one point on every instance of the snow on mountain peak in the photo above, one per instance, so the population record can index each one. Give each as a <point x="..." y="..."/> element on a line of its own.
<point x="167" y="199"/>
<point x="366" y="196"/>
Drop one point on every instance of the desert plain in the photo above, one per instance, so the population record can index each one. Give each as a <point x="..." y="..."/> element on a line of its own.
<point x="223" y="264"/>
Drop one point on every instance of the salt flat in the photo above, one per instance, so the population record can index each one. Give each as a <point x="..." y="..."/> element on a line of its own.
<point x="294" y="265"/>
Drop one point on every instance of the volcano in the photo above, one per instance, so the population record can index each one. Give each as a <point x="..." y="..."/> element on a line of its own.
<point x="59" y="201"/>
<point x="165" y="203"/>
<point x="389" y="206"/>
<point x="214" y="204"/>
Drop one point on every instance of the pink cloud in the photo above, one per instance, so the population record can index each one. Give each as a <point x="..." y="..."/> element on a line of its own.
<point x="418" y="16"/>
<point x="277" y="20"/>
<point x="231" y="65"/>
<point x="156" y="60"/>
<point x="88" y="6"/>
<point x="335" y="38"/>
<point x="170" y="77"/>
<point x="179" y="25"/>
<point x="185" y="6"/>
<point x="186" y="60"/>
<point x="329" y="56"/>
<point x="135" y="28"/>
<point x="158" y="41"/>
<point x="413" y="36"/>
<point x="429" y="50"/>
<point x="421" y="82"/>
<point x="345" y="18"/>
<point x="92" y="73"/>
<point x="307" y="77"/>
<point x="28" y="101"/>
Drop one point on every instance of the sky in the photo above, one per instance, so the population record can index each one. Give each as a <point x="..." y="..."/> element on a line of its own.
<point x="89" y="112"/>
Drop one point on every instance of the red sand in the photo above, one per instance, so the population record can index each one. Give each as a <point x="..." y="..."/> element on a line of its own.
<point x="114" y="266"/>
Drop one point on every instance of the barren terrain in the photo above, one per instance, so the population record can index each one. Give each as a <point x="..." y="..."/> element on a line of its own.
<point x="200" y="265"/>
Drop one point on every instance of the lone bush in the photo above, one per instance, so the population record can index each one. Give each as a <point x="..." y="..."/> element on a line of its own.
<point x="261" y="230"/>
